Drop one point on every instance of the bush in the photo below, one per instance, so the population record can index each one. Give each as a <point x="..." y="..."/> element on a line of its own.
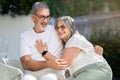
<point x="72" y="8"/>
<point x="110" y="41"/>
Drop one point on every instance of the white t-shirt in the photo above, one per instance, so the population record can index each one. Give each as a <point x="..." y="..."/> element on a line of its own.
<point x="86" y="56"/>
<point x="49" y="36"/>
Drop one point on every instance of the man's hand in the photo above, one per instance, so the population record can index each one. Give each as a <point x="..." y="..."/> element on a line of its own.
<point x="98" y="49"/>
<point x="40" y="46"/>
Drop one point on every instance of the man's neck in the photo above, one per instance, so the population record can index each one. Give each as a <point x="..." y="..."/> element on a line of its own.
<point x="37" y="30"/>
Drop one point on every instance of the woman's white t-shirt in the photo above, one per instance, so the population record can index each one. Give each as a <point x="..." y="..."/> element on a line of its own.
<point x="86" y="56"/>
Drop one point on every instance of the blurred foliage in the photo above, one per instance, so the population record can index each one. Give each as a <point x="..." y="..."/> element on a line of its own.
<point x="110" y="41"/>
<point x="13" y="7"/>
<point x="59" y="7"/>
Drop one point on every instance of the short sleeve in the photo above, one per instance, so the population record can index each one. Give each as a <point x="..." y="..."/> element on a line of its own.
<point x="24" y="47"/>
<point x="79" y="41"/>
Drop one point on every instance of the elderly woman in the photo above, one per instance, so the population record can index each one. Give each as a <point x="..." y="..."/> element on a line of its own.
<point x="79" y="53"/>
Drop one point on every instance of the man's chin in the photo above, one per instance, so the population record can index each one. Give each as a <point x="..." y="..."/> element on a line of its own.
<point x="43" y="29"/>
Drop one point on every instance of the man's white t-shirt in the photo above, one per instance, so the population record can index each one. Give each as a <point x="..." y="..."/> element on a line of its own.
<point x="49" y="36"/>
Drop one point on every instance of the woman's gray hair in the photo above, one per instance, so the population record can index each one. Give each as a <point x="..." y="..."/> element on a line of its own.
<point x="38" y="5"/>
<point x="68" y="22"/>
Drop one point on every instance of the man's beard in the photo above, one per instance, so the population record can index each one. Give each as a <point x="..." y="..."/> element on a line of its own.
<point x="43" y="28"/>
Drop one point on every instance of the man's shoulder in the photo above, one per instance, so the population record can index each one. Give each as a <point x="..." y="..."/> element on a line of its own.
<point x="50" y="27"/>
<point x="25" y="33"/>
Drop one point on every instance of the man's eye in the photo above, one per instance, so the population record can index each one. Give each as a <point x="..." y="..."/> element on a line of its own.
<point x="42" y="16"/>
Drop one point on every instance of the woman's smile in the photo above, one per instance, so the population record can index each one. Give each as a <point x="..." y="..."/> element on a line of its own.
<point x="63" y="31"/>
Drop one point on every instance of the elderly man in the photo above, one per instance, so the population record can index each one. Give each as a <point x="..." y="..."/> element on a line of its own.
<point x="35" y="65"/>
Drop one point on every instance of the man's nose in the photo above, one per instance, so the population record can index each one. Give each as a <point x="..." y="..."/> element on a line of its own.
<point x="46" y="20"/>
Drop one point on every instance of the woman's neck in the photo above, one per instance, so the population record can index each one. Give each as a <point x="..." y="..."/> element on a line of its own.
<point x="65" y="39"/>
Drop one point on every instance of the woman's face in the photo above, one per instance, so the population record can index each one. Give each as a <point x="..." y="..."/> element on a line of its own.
<point x="63" y="31"/>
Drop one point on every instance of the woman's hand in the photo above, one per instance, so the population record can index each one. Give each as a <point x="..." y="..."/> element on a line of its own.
<point x="40" y="46"/>
<point x="98" y="49"/>
<point x="59" y="64"/>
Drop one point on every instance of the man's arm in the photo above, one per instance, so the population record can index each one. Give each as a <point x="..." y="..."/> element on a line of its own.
<point x="26" y="60"/>
<point x="33" y="65"/>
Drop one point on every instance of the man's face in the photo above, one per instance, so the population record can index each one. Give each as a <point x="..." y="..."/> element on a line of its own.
<point x="42" y="18"/>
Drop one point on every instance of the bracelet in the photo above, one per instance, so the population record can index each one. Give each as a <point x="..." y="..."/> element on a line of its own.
<point x="44" y="53"/>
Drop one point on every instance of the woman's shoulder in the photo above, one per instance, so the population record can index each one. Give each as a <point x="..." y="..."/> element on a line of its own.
<point x="73" y="39"/>
<point x="76" y="40"/>
<point x="76" y="37"/>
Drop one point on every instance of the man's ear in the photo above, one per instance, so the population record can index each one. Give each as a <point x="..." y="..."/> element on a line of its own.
<point x="33" y="17"/>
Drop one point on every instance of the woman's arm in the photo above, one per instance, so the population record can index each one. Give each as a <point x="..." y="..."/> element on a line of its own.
<point x="69" y="54"/>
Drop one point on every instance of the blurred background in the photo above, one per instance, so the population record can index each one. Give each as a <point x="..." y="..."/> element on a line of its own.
<point x="97" y="20"/>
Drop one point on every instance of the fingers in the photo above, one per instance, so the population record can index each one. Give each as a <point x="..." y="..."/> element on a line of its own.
<point x="46" y="47"/>
<point x="40" y="46"/>
<point x="99" y="50"/>
<point x="62" y="67"/>
<point x="40" y="43"/>
<point x="37" y="43"/>
<point x="62" y="64"/>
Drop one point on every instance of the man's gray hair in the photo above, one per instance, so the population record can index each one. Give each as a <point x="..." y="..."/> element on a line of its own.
<point x="38" y="5"/>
